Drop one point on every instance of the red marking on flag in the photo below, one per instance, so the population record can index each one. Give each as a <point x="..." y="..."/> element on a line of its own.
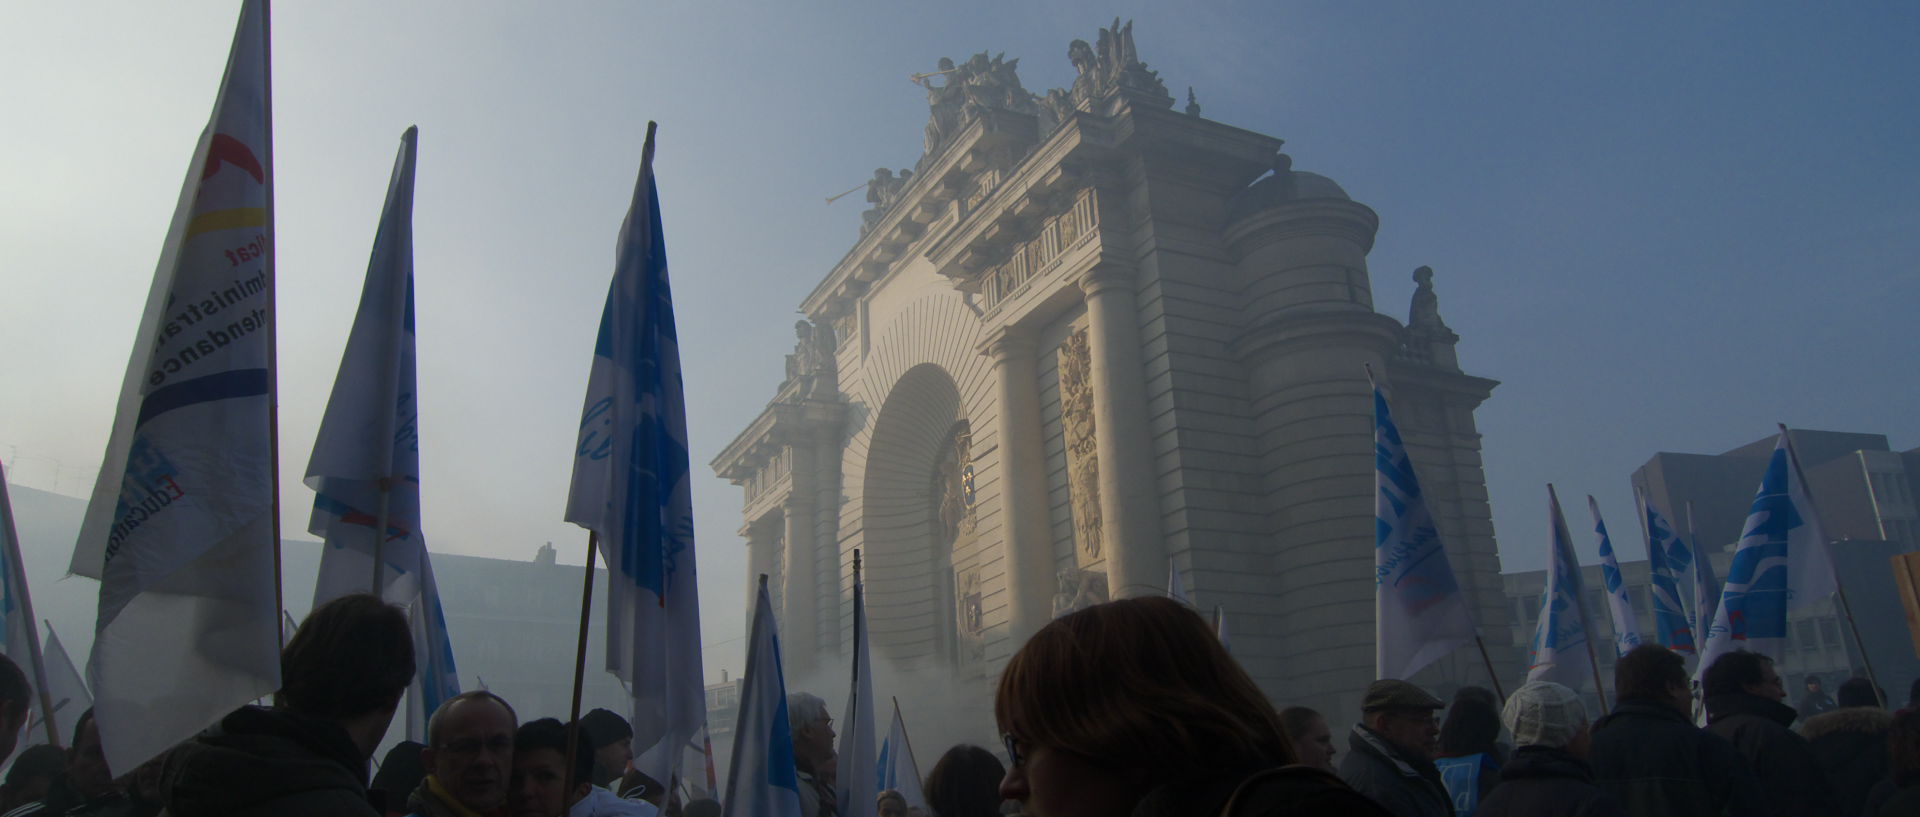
<point x="232" y="151"/>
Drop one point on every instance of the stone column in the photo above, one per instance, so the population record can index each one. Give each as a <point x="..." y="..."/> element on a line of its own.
<point x="1023" y="484"/>
<point x="1129" y="495"/>
<point x="826" y="536"/>
<point x="799" y="622"/>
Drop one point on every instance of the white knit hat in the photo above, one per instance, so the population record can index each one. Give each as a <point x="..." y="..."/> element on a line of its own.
<point x="1544" y="713"/>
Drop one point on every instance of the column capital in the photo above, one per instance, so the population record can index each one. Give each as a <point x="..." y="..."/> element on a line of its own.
<point x="1008" y="341"/>
<point x="1107" y="275"/>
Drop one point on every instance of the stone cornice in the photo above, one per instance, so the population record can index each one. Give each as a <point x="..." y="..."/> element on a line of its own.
<point x="1351" y="220"/>
<point x="783" y="422"/>
<point x="1472" y="390"/>
<point x="1307" y="328"/>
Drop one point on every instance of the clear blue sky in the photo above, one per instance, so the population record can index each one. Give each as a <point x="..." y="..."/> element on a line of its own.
<point x="1661" y="226"/>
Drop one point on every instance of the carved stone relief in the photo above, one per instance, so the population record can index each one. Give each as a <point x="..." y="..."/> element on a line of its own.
<point x="952" y="486"/>
<point x="1083" y="459"/>
<point x="970" y="617"/>
<point x="1079" y="589"/>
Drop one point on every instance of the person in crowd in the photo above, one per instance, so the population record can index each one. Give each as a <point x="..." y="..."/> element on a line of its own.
<point x="1470" y="752"/>
<point x="1815" y="700"/>
<point x="1547" y="776"/>
<point x="400" y="773"/>
<point x="1850" y="745"/>
<point x="538" y="785"/>
<point x="16" y="700"/>
<point x="1650" y="756"/>
<point x="142" y="787"/>
<point x="1312" y="738"/>
<point x="638" y="785"/>
<point x="612" y="740"/>
<point x="1913" y="694"/>
<point x="1899" y="794"/>
<point x="891" y="803"/>
<point x="343" y="676"/>
<point x="469" y="757"/>
<point x="1744" y="705"/>
<point x="1391" y="751"/>
<point x="813" y="754"/>
<point x="86" y="789"/>
<point x="1132" y="707"/>
<point x="32" y="776"/>
<point x="702" y="807"/>
<point x="965" y="782"/>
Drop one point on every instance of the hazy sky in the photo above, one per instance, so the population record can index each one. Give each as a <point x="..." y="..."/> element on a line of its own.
<point x="1661" y="228"/>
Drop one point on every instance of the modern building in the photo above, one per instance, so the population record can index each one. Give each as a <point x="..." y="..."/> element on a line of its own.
<point x="1085" y="337"/>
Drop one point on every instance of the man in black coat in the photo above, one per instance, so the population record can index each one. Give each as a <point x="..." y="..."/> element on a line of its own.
<point x="1815" y="702"/>
<point x="342" y="677"/>
<point x="1850" y="743"/>
<point x="1393" y="746"/>
<point x="1744" y="697"/>
<point x="1548" y="775"/>
<point x="1653" y="760"/>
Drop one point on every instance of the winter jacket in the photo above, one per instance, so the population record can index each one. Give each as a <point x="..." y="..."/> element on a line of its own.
<point x="602" y="803"/>
<point x="1407" y="786"/>
<point x="1889" y="800"/>
<point x="1656" y="763"/>
<point x="1544" y="782"/>
<point x="1815" y="703"/>
<point x="1289" y="791"/>
<point x="259" y="761"/>
<point x="432" y="800"/>
<point x="1782" y="761"/>
<point x="1851" y="747"/>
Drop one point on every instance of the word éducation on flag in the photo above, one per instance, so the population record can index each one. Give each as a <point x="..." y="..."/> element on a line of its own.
<point x="1420" y="615"/>
<point x="181" y="528"/>
<point x="631" y="488"/>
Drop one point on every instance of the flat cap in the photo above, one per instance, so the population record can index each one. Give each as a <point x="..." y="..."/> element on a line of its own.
<point x="1392" y="693"/>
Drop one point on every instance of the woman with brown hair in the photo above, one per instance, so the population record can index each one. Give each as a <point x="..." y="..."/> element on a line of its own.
<point x="1133" y="708"/>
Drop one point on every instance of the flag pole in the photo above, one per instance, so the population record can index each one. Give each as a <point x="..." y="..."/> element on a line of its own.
<point x="1700" y="635"/>
<point x="1839" y="587"/>
<point x="18" y="568"/>
<point x="905" y="738"/>
<point x="273" y="324"/>
<point x="580" y="659"/>
<point x="1579" y="602"/>
<point x="1487" y="660"/>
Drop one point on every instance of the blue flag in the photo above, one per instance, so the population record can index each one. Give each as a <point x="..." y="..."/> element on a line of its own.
<point x="1560" y="651"/>
<point x="1668" y="558"/>
<point x="1626" y="625"/>
<point x="762" y="780"/>
<point x="1420" y="615"/>
<point x="1780" y="564"/>
<point x="858" y="782"/>
<point x="630" y="487"/>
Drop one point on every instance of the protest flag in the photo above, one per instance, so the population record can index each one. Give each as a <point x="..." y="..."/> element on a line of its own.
<point x="67" y="694"/>
<point x="1562" y="649"/>
<point x="16" y="607"/>
<point x="1706" y="589"/>
<point x="631" y="489"/>
<point x="898" y="770"/>
<point x="762" y="780"/>
<point x="1626" y="625"/>
<point x="1175" y="589"/>
<point x="857" y="787"/>
<point x="1668" y="557"/>
<point x="183" y="525"/>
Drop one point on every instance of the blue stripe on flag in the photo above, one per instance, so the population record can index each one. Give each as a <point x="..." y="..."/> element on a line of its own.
<point x="222" y="386"/>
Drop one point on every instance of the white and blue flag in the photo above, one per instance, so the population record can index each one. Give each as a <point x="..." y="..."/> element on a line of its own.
<point x="1706" y="588"/>
<point x="858" y="784"/>
<point x="1668" y="558"/>
<point x="365" y="469"/>
<point x="1420" y="613"/>
<point x="1561" y="645"/>
<point x="898" y="771"/>
<point x="22" y="643"/>
<point x="762" y="780"/>
<point x="630" y="486"/>
<point x="1781" y="564"/>
<point x="181" y="528"/>
<point x="66" y="692"/>
<point x="1626" y="625"/>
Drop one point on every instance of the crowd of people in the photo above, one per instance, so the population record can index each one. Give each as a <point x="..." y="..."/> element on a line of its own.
<point x="1125" y="709"/>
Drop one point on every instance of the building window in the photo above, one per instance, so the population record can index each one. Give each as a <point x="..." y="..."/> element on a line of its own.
<point x="1533" y="608"/>
<point x="1803" y="633"/>
<point x="1830" y="630"/>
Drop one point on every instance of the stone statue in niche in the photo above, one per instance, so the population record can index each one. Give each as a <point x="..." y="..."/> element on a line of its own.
<point x="970" y="617"/>
<point x="952" y="489"/>
<point x="1079" y="589"/>
<point x="1083" y="459"/>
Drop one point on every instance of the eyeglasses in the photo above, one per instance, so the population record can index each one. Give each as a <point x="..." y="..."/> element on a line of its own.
<point x="1013" y="749"/>
<point x="468" y="747"/>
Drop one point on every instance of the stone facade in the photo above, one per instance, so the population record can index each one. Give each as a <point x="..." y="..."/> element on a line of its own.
<point x="1146" y="335"/>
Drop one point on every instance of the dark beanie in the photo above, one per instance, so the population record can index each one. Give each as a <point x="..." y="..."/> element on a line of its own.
<point x="604" y="727"/>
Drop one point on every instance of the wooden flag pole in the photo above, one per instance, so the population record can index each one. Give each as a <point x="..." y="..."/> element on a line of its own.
<point x="1487" y="660"/>
<point x="580" y="659"/>
<point x="1839" y="587"/>
<point x="904" y="737"/>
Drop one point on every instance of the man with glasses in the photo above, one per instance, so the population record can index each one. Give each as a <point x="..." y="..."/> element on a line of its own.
<point x="813" y="755"/>
<point x="1745" y="704"/>
<point x="1392" y="750"/>
<point x="469" y="757"/>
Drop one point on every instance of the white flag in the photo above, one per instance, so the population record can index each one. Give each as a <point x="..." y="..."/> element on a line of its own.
<point x="898" y="770"/>
<point x="22" y="643"/>
<point x="1781" y="564"/>
<point x="1420" y="614"/>
<point x="1626" y="625"/>
<point x="858" y="786"/>
<point x="180" y="529"/>
<point x="66" y="691"/>
<point x="1175" y="589"/>
<point x="1220" y="628"/>
<point x="1706" y="588"/>
<point x="762" y="781"/>
<point x="1560" y="638"/>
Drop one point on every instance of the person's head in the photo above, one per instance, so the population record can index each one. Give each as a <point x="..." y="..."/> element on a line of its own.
<point x="1856" y="692"/>
<point x="891" y="803"/>
<point x="1403" y="715"/>
<point x="965" y="782"/>
<point x="1903" y="747"/>
<point x="400" y="771"/>
<point x="1102" y="705"/>
<point x="1653" y="673"/>
<point x="1813" y="683"/>
<point x="33" y="772"/>
<point x="350" y="662"/>
<point x="470" y="748"/>
<point x="15" y="699"/>
<point x="812" y="732"/>
<point x="701" y="807"/>
<point x="87" y="773"/>
<point x="1742" y="671"/>
<point x="612" y="740"/>
<point x="1544" y="713"/>
<point x="539" y="787"/>
<point x="1472" y="724"/>
<point x="1311" y="736"/>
